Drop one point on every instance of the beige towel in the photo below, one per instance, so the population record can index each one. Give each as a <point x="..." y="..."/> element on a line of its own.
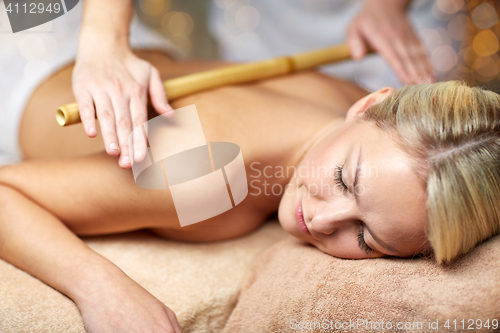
<point x="199" y="282"/>
<point x="292" y="282"/>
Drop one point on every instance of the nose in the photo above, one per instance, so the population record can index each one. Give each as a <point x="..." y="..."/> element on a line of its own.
<point x="329" y="217"/>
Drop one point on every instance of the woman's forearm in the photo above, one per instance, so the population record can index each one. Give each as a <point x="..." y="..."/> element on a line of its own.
<point x="37" y="242"/>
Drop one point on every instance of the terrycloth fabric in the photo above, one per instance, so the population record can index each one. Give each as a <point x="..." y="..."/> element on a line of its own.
<point x="294" y="281"/>
<point x="199" y="282"/>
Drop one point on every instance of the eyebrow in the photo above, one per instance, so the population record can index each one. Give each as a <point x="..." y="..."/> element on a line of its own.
<point x="380" y="242"/>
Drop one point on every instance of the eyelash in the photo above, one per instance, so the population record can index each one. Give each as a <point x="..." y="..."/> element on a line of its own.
<point x="338" y="178"/>
<point x="361" y="242"/>
<point x="361" y="235"/>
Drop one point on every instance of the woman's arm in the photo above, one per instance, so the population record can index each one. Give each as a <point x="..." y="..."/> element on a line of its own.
<point x="110" y="81"/>
<point x="35" y="240"/>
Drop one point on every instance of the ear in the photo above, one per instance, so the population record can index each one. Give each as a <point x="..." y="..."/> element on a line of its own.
<point x="358" y="108"/>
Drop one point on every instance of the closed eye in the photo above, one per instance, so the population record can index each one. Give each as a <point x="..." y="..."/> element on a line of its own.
<point x="361" y="242"/>
<point x="361" y="235"/>
<point x="338" y="178"/>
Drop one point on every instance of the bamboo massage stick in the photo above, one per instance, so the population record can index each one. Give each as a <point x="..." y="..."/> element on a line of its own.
<point x="233" y="74"/>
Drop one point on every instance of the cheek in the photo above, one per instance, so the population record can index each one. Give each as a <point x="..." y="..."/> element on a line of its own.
<point x="345" y="247"/>
<point x="317" y="165"/>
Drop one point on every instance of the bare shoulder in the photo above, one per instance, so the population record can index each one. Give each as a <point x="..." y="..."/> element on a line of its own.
<point x="317" y="89"/>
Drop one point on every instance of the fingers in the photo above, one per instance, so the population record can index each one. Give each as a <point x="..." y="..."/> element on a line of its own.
<point x="116" y="90"/>
<point x="416" y="61"/>
<point x="121" y="109"/>
<point x="407" y="58"/>
<point x="356" y="42"/>
<point x="106" y="117"/>
<point x="138" y="113"/>
<point x="158" y="93"/>
<point x="390" y="34"/>
<point x="422" y="62"/>
<point x="87" y="113"/>
<point x="123" y="126"/>
<point x="382" y="46"/>
<point x="408" y="61"/>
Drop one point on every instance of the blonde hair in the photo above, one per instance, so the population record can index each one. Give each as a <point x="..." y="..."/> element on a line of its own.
<point x="453" y="130"/>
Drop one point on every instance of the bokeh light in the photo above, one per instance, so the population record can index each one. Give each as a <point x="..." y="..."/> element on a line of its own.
<point x="484" y="16"/>
<point x="485" y="43"/>
<point x="450" y="6"/>
<point x="468" y="55"/>
<point x="444" y="58"/>
<point x="249" y="43"/>
<point x="472" y="30"/>
<point x="227" y="4"/>
<point x="445" y="36"/>
<point x="457" y="28"/>
<point x="247" y="18"/>
<point x="154" y="7"/>
<point x="431" y="38"/>
<point x="439" y="14"/>
<point x="496" y="28"/>
<point x="486" y="68"/>
<point x="177" y="24"/>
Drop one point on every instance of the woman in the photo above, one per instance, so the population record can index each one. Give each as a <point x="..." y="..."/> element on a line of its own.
<point x="391" y="173"/>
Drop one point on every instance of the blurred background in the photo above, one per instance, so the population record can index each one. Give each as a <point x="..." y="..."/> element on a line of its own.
<point x="462" y="43"/>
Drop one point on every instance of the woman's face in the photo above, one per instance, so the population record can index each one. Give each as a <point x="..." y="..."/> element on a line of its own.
<point x="355" y="195"/>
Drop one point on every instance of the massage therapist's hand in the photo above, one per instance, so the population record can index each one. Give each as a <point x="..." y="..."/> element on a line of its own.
<point x="114" y="83"/>
<point x="384" y="26"/>
<point x="111" y="82"/>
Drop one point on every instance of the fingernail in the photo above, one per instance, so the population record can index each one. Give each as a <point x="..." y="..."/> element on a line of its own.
<point x="137" y="155"/>
<point x="170" y="108"/>
<point x="126" y="160"/>
<point x="92" y="131"/>
<point x="169" y="114"/>
<point x="113" y="146"/>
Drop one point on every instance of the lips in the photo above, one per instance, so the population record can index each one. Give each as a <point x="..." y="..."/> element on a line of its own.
<point x="299" y="217"/>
